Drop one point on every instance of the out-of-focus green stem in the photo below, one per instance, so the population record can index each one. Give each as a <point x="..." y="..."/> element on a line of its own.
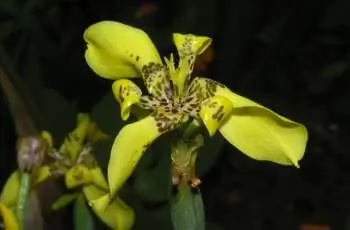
<point x="22" y="199"/>
<point x="191" y="129"/>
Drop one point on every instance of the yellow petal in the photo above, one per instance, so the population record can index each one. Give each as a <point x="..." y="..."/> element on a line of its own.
<point x="118" y="215"/>
<point x="48" y="138"/>
<point x="72" y="144"/>
<point x="261" y="135"/>
<point x="127" y="94"/>
<point x="95" y="134"/>
<point x="42" y="174"/>
<point x="128" y="147"/>
<point x="9" y="219"/>
<point x="98" y="178"/>
<point x="191" y="44"/>
<point x="10" y="190"/>
<point x="115" y="50"/>
<point x="64" y="200"/>
<point x="77" y="175"/>
<point x="214" y="112"/>
<point x="188" y="46"/>
<point x="259" y="132"/>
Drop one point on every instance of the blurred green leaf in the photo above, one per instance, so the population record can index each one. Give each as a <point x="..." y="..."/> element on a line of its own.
<point x="107" y="114"/>
<point x="7" y="28"/>
<point x="150" y="217"/>
<point x="152" y="174"/>
<point x="334" y="69"/>
<point x="327" y="76"/>
<point x="59" y="115"/>
<point x="211" y="226"/>
<point x="9" y="7"/>
<point x="30" y="66"/>
<point x="64" y="200"/>
<point x="209" y="153"/>
<point x="187" y="211"/>
<point x="83" y="219"/>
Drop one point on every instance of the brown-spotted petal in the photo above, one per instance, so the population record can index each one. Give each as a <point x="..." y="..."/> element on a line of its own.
<point x="127" y="94"/>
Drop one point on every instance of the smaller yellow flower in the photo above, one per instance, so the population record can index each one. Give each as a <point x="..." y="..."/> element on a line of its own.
<point x="81" y="172"/>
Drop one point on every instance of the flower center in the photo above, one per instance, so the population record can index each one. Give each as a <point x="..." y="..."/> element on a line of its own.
<point x="186" y="105"/>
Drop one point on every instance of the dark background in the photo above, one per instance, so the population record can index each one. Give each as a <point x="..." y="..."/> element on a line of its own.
<point x="290" y="55"/>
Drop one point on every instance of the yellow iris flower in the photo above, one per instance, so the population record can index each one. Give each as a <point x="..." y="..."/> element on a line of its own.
<point x="117" y="51"/>
<point x="75" y="162"/>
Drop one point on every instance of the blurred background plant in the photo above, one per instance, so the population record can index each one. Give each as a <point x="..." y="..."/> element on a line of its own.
<point x="292" y="56"/>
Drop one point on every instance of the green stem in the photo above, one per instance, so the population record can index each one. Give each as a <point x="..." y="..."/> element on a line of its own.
<point x="22" y="199"/>
<point x="191" y="129"/>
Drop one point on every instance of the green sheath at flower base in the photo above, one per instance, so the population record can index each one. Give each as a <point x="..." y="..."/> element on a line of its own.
<point x="173" y="98"/>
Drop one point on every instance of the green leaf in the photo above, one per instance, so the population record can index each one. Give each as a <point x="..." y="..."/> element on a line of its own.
<point x="83" y="219"/>
<point x="64" y="200"/>
<point x="187" y="212"/>
<point x="327" y="76"/>
<point x="152" y="174"/>
<point x="7" y="28"/>
<point x="335" y="69"/>
<point x="107" y="114"/>
<point x="209" y="153"/>
<point x="9" y="7"/>
<point x="59" y="115"/>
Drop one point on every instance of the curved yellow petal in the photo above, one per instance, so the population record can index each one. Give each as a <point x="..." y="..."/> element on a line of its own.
<point x="95" y="134"/>
<point x="64" y="200"/>
<point x="127" y="94"/>
<point x="48" y="138"/>
<point x="77" y="175"/>
<point x="214" y="112"/>
<point x="188" y="44"/>
<point x="42" y="174"/>
<point x="262" y="135"/>
<point x="9" y="219"/>
<point x="73" y="143"/>
<point x="115" y="50"/>
<point x="259" y="132"/>
<point x="98" y="178"/>
<point x="118" y="215"/>
<point x="128" y="147"/>
<point x="10" y="190"/>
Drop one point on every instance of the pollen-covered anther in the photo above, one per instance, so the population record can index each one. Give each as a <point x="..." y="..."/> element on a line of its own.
<point x="195" y="182"/>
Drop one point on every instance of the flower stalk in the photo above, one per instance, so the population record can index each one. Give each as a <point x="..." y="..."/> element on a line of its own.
<point x="187" y="209"/>
<point x="22" y="200"/>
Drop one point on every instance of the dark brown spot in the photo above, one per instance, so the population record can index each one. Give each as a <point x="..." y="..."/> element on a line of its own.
<point x="220" y="117"/>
